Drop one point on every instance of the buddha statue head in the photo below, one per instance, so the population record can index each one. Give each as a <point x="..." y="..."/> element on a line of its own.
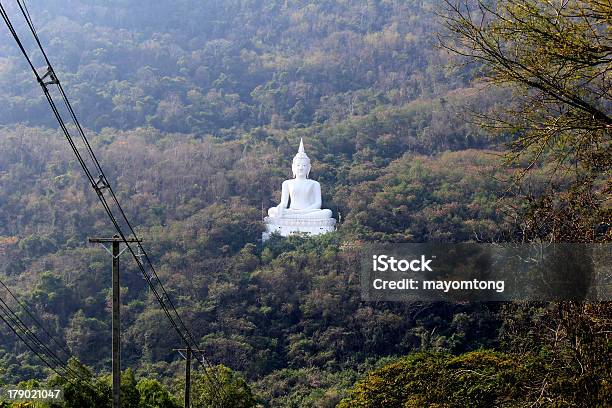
<point x="301" y="163"/>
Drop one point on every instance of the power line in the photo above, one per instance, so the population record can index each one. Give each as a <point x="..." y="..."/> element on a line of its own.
<point x="32" y="335"/>
<point x="31" y="340"/>
<point x="25" y="307"/>
<point x="14" y="318"/>
<point x="100" y="184"/>
<point x="32" y="349"/>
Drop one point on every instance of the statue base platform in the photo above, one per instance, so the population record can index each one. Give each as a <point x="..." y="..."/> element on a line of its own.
<point x="292" y="226"/>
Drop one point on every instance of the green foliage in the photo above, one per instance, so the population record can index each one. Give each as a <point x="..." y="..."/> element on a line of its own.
<point x="220" y="387"/>
<point x="130" y="395"/>
<point x="417" y="199"/>
<point x="95" y="392"/>
<point x="305" y="387"/>
<point x="90" y="392"/>
<point x="154" y="395"/>
<point x="179" y="75"/>
<point x="476" y="379"/>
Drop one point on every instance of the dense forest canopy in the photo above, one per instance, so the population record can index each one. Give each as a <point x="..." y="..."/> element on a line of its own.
<point x="225" y="68"/>
<point x="195" y="110"/>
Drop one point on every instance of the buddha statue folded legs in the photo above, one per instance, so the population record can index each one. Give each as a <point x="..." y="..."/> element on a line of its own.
<point x="291" y="213"/>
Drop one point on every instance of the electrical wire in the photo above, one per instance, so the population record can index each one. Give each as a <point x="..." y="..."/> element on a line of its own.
<point x="25" y="307"/>
<point x="31" y="340"/>
<point x="6" y="319"/>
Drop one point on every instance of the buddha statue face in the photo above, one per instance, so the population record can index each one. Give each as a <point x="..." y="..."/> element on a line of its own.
<point x="301" y="167"/>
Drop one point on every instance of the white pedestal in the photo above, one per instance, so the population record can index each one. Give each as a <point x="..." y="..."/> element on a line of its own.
<point x="289" y="226"/>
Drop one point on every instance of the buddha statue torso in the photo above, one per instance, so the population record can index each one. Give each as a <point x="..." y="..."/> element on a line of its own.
<point x="301" y="193"/>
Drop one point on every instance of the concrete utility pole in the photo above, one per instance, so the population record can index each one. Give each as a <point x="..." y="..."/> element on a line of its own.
<point x="187" y="357"/>
<point x="115" y="241"/>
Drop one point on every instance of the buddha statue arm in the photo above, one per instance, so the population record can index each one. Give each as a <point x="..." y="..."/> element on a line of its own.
<point x="284" y="203"/>
<point x="279" y="210"/>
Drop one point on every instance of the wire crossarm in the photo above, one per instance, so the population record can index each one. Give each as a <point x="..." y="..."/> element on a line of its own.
<point x="52" y="79"/>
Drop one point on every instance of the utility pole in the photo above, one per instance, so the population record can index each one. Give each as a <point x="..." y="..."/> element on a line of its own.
<point x="116" y="328"/>
<point x="188" y="378"/>
<point x="187" y="357"/>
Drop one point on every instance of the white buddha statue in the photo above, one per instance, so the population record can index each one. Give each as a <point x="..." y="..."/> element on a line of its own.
<point x="300" y="206"/>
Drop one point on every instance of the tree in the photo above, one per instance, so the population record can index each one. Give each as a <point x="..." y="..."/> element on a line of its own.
<point x="90" y="392"/>
<point x="477" y="379"/>
<point x="154" y="395"/>
<point x="221" y="387"/>
<point x="130" y="396"/>
<point x="555" y="58"/>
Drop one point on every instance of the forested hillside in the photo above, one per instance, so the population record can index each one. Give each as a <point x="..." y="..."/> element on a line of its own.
<point x="195" y="110"/>
<point x="223" y="68"/>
